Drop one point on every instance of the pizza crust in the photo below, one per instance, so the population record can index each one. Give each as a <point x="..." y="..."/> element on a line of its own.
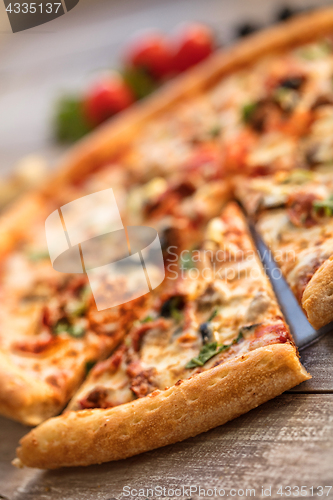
<point x="317" y="299"/>
<point x="15" y="220"/>
<point x="193" y="406"/>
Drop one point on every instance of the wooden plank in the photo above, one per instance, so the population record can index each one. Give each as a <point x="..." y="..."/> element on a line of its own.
<point x="286" y="442"/>
<point x="318" y="360"/>
<point x="10" y="479"/>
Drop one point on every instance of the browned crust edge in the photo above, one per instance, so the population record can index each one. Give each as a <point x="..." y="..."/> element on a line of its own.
<point x="317" y="299"/>
<point x="111" y="138"/>
<point x="185" y="410"/>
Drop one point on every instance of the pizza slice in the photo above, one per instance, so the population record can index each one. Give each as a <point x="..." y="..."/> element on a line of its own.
<point x="50" y="333"/>
<point x="213" y="345"/>
<point x="293" y="213"/>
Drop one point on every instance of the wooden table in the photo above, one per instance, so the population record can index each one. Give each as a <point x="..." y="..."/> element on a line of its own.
<point x="285" y="442"/>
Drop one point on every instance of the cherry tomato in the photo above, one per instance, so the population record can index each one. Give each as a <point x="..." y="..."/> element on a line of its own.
<point x="106" y="98"/>
<point x="151" y="53"/>
<point x="195" y="43"/>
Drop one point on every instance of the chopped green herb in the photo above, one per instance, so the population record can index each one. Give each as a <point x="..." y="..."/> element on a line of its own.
<point x="186" y="263"/>
<point x="89" y="365"/>
<point x="63" y="326"/>
<point x="316" y="50"/>
<point x="326" y="205"/>
<point x="240" y="335"/>
<point x="208" y="351"/>
<point x="147" y="319"/>
<point x="297" y="177"/>
<point x="213" y="315"/>
<point x="248" y="111"/>
<point x="35" y="256"/>
<point x="70" y="122"/>
<point x="85" y="293"/>
<point x="77" y="331"/>
<point x="176" y="314"/>
<point x="215" y="131"/>
<point x="76" y="308"/>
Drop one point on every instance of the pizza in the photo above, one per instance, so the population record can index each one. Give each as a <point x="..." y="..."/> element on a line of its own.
<point x="210" y="349"/>
<point x="293" y="214"/>
<point x="238" y="126"/>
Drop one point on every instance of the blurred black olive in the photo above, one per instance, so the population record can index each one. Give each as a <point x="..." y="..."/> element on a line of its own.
<point x="206" y="332"/>
<point x="246" y="29"/>
<point x="172" y="305"/>
<point x="293" y="82"/>
<point x="285" y="13"/>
